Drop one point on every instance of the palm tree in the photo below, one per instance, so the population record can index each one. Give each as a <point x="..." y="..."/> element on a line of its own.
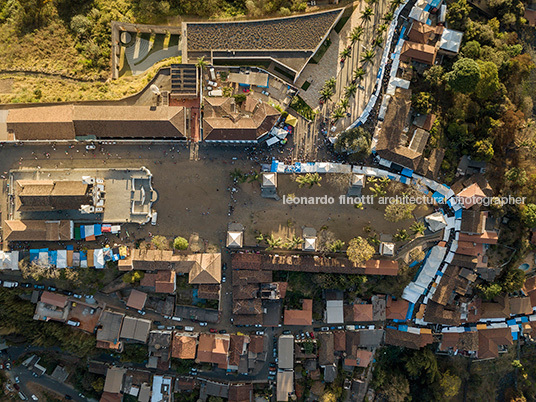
<point x="366" y="14"/>
<point x="236" y="175"/>
<point x="345" y="53"/>
<point x="350" y="91"/>
<point x="359" y="73"/>
<point x="343" y="104"/>
<point x="201" y="63"/>
<point x="255" y="176"/>
<point x="273" y="242"/>
<point x="294" y="242"/>
<point x="388" y="17"/>
<point x="418" y="227"/>
<point x="259" y="238"/>
<point x="368" y="56"/>
<point x="378" y="42"/>
<point x="381" y="29"/>
<point x="356" y="34"/>
<point x="337" y="114"/>
<point x="330" y="83"/>
<point x="325" y="94"/>
<point x="396" y="3"/>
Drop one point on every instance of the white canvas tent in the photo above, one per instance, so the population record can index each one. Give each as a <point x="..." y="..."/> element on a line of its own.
<point x="98" y="258"/>
<point x="9" y="260"/>
<point x="451" y="40"/>
<point x="61" y="259"/>
<point x="436" y="221"/>
<point x="269" y="180"/>
<point x="235" y="239"/>
<point x="309" y="244"/>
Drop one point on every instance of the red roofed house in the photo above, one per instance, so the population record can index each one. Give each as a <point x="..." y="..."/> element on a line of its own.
<point x="396" y="309"/>
<point x="137" y="300"/>
<point x="358" y="313"/>
<point x="213" y="348"/>
<point x="300" y="317"/>
<point x="362" y="359"/>
<point x="492" y="341"/>
<point x="162" y="281"/>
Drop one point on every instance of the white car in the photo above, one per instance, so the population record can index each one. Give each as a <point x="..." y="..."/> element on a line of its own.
<point x="203" y="324"/>
<point x="265" y="93"/>
<point x="34" y="397"/>
<point x="213" y="84"/>
<point x="91" y="147"/>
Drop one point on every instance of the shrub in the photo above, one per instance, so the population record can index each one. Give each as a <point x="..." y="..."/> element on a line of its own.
<point x="180" y="243"/>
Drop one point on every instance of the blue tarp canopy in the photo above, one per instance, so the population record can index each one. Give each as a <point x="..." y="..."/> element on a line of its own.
<point x="438" y="196"/>
<point x="410" y="311"/>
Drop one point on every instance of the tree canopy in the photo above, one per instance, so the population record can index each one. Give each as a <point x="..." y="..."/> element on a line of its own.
<point x="464" y="76"/>
<point x="359" y="250"/>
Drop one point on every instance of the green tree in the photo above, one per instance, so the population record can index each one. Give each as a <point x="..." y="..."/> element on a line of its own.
<point x="359" y="250"/>
<point x="517" y="176"/>
<point x="489" y="83"/>
<point x="336" y="246"/>
<point x="366" y="14"/>
<point x="450" y="384"/>
<point x="418" y="227"/>
<point x="472" y="49"/>
<point x="354" y="141"/>
<point x="457" y="14"/>
<point x="464" y="76"/>
<point x="484" y="150"/>
<point x="489" y="292"/>
<point x="528" y="215"/>
<point x="160" y="242"/>
<point x="368" y="56"/>
<point x="239" y="98"/>
<point x="422" y="364"/>
<point x="180" y="243"/>
<point x="355" y="35"/>
<point x="309" y="179"/>
<point x="512" y="280"/>
<point x="337" y="114"/>
<point x="98" y="384"/>
<point x="345" y="53"/>
<point x="359" y="73"/>
<point x="133" y="277"/>
<point x="395" y="388"/>
<point x="401" y="235"/>
<point x="350" y="91"/>
<point x="422" y="102"/>
<point x="398" y="211"/>
<point x="435" y="76"/>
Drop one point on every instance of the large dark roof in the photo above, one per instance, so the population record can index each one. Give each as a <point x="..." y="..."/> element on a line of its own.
<point x="222" y="120"/>
<point x="68" y="121"/>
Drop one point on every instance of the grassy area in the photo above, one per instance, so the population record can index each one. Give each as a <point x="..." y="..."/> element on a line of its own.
<point x="299" y="105"/>
<point x="25" y="88"/>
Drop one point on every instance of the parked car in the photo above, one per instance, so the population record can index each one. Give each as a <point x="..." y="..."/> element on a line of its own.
<point x="272" y="372"/>
<point x="312" y="335"/>
<point x="17" y="380"/>
<point x="51" y="289"/>
<point x="213" y="83"/>
<point x="141" y="312"/>
<point x="157" y="323"/>
<point x="324" y="329"/>
<point x="22" y="396"/>
<point x="265" y="93"/>
<point x="258" y="326"/>
<point x="179" y="327"/>
<point x="223" y="278"/>
<point x="259" y="332"/>
<point x="272" y="365"/>
<point x="271" y="377"/>
<point x="67" y="292"/>
<point x="77" y="296"/>
<point x="16" y="386"/>
<point x="224" y="266"/>
<point x="68" y="397"/>
<point x="287" y="332"/>
<point x="26" y="285"/>
<point x="170" y="327"/>
<point x="212" y="330"/>
<point x="222" y="331"/>
<point x="90" y="147"/>
<point x="203" y="324"/>
<point x="35" y="398"/>
<point x="161" y="327"/>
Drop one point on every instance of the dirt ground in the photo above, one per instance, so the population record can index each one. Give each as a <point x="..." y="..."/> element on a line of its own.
<point x="194" y="195"/>
<point x="44" y="394"/>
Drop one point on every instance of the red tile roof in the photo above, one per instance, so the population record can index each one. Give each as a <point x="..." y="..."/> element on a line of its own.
<point x="300" y="317"/>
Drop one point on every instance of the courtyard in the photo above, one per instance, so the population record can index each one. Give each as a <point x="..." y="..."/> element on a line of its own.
<point x="199" y="196"/>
